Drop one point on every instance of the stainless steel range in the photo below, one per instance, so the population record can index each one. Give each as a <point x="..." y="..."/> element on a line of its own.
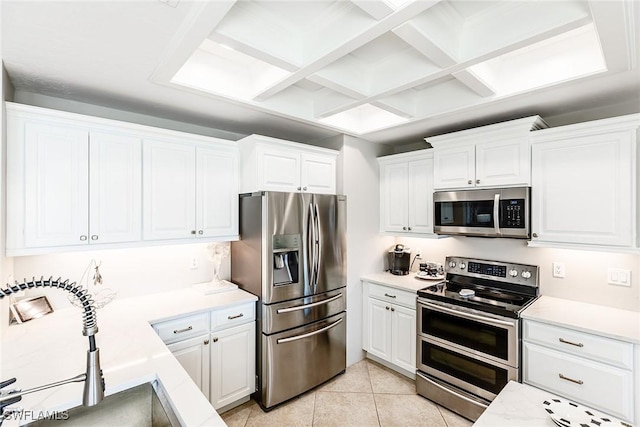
<point x="469" y="332"/>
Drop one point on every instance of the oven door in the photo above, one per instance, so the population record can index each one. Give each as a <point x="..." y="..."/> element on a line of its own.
<point x="470" y="331"/>
<point x="463" y="370"/>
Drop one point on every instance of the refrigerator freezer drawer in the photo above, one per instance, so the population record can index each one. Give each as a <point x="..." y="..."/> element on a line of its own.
<point x="302" y="311"/>
<point x="299" y="359"/>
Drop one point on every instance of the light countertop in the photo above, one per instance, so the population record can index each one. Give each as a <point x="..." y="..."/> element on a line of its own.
<point x="517" y="405"/>
<point x="53" y="348"/>
<point x="409" y="282"/>
<point x="595" y="319"/>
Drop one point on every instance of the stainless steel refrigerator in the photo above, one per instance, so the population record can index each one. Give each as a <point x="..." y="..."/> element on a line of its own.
<point x="292" y="255"/>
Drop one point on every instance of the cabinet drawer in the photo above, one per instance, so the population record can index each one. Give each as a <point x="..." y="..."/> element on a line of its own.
<point x="231" y="316"/>
<point x="601" y="349"/>
<point x="183" y="328"/>
<point x="594" y="384"/>
<point x="393" y="295"/>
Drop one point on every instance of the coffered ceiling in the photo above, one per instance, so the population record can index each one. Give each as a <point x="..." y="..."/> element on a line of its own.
<point x="387" y="71"/>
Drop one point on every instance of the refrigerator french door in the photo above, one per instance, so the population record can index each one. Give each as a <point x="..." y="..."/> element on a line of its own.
<point x="292" y="255"/>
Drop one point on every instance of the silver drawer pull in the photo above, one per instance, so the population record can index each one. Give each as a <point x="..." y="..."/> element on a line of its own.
<point x="305" y="306"/>
<point x="390" y="296"/>
<point x="235" y="317"/>
<point x="179" y="331"/>
<point x="577" y="344"/>
<point x="562" y="377"/>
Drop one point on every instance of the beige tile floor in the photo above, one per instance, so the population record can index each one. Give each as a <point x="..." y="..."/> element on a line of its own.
<point x="367" y="394"/>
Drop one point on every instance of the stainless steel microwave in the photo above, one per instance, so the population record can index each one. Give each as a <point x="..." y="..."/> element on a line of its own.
<point x="496" y="212"/>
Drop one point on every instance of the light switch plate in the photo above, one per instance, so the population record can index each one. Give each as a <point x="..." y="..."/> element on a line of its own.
<point x="619" y="277"/>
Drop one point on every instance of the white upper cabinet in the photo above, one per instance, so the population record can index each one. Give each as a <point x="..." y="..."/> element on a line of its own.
<point x="189" y="191"/>
<point x="270" y="164"/>
<point x="584" y="184"/>
<point x="489" y="156"/>
<point x="406" y="193"/>
<point x="75" y="182"/>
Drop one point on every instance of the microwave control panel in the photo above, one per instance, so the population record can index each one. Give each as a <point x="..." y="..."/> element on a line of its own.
<point x="512" y="213"/>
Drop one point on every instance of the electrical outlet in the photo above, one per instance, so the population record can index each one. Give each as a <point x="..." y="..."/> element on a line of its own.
<point x="619" y="277"/>
<point x="558" y="270"/>
<point x="194" y="263"/>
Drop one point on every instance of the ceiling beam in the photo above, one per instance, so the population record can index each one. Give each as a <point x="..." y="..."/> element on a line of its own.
<point x="366" y="36"/>
<point x="377" y="9"/>
<point x="619" y="42"/>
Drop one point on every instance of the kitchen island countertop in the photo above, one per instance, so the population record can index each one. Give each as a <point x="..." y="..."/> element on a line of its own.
<point x="52" y="348"/>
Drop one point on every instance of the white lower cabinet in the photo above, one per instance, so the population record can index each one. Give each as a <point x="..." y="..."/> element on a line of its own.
<point x="390" y="326"/>
<point x="232" y="364"/>
<point x="193" y="355"/>
<point x="222" y="360"/>
<point x="589" y="369"/>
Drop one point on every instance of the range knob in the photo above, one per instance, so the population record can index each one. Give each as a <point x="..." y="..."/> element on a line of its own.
<point x="452" y="264"/>
<point x="513" y="272"/>
<point x="462" y="266"/>
<point x="526" y="274"/>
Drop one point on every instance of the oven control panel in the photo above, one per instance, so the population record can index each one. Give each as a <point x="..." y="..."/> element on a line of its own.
<point x="523" y="274"/>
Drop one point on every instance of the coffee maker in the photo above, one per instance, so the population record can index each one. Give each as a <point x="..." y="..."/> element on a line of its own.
<point x="399" y="260"/>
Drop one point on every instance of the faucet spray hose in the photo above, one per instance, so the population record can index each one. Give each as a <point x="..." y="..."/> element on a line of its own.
<point x="90" y="325"/>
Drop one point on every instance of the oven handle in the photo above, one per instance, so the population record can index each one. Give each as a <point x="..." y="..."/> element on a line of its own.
<point x="310" y="334"/>
<point x="496" y="213"/>
<point x="305" y="306"/>
<point x="467" y="315"/>
<point x="448" y="390"/>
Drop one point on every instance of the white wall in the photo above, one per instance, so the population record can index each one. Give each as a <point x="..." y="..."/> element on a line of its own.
<point x="586" y="271"/>
<point x="131" y="272"/>
<point x="365" y="248"/>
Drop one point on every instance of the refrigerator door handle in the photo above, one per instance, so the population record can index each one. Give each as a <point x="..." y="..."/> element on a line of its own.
<point x="306" y="306"/>
<point x="311" y="245"/>
<point x="310" y="334"/>
<point x="318" y="245"/>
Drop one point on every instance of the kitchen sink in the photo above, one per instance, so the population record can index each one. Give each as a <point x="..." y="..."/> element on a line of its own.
<point x="144" y="406"/>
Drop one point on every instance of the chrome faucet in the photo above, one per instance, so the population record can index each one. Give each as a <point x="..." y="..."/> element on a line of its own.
<point x="93" y="379"/>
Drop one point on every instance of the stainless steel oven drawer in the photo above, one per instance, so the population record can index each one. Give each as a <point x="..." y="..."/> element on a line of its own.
<point x="299" y="359"/>
<point x="289" y="314"/>
<point x="459" y="401"/>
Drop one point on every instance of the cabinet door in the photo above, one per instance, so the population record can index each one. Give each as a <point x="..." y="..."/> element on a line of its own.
<point x="193" y="354"/>
<point x="169" y="191"/>
<point x="378" y="328"/>
<point x="454" y="167"/>
<point x="582" y="190"/>
<point x="56" y="185"/>
<point x="278" y="170"/>
<point x="503" y="163"/>
<point x="394" y="197"/>
<point x="115" y="181"/>
<point x="217" y="193"/>
<point x="403" y="337"/>
<point x="420" y="196"/>
<point x="318" y="174"/>
<point x="232" y="364"/>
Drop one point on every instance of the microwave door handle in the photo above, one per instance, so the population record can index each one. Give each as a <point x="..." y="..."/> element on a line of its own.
<point x="496" y="213"/>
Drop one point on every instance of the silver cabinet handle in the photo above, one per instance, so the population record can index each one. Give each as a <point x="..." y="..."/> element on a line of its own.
<point x="570" y="379"/>
<point x="404" y="228"/>
<point x="304" y="188"/>
<point x="206" y="342"/>
<point x="310" y="334"/>
<point x="578" y="344"/>
<point x="83" y="237"/>
<point x="535" y="234"/>
<point x="469" y="182"/>
<point x="200" y="232"/>
<point x="193" y="231"/>
<point x="215" y="339"/>
<point x="94" y="237"/>
<point x="393" y="309"/>
<point x="390" y="296"/>
<point x="299" y="188"/>
<point x="386" y="308"/>
<point x="305" y="306"/>
<point x="409" y="228"/>
<point x="237" y="316"/>
<point x="477" y="181"/>
<point x="179" y="331"/>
